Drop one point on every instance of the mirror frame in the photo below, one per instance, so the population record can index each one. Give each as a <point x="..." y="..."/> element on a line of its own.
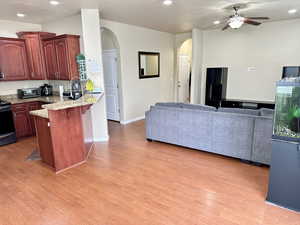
<point x="141" y="76"/>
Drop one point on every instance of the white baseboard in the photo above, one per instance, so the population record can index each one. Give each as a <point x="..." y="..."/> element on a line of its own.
<point x="124" y="122"/>
<point x="102" y="139"/>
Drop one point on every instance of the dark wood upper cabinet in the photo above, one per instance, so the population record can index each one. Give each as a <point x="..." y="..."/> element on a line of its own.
<point x="39" y="56"/>
<point x="13" y="60"/>
<point x="50" y="59"/>
<point x="35" y="53"/>
<point x="60" y="56"/>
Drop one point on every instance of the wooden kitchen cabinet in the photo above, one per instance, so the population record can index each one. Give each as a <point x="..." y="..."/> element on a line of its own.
<point x="21" y="120"/>
<point x="31" y="107"/>
<point x="24" y="123"/>
<point x="13" y="60"/>
<point x="50" y="59"/>
<point x="60" y="56"/>
<point x="35" y="53"/>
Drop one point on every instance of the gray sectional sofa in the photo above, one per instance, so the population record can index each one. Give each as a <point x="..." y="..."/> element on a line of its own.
<point x="239" y="133"/>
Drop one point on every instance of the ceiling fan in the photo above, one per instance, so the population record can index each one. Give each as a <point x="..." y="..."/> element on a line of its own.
<point x="236" y="20"/>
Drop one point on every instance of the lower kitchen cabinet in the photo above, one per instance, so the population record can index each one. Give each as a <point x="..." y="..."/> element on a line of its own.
<point x="24" y="123"/>
<point x="31" y="107"/>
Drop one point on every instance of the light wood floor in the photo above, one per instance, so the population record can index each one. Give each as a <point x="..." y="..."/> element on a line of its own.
<point x="130" y="181"/>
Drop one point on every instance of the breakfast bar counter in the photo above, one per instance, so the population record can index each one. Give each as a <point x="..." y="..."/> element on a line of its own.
<point x="64" y="131"/>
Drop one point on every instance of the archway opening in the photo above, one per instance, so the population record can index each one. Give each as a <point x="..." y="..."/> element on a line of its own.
<point x="112" y="75"/>
<point x="184" y="68"/>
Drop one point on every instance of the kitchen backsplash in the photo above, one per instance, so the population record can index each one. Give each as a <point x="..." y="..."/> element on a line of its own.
<point x="57" y="83"/>
<point x="10" y="87"/>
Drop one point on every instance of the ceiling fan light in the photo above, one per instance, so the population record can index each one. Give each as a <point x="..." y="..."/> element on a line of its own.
<point x="236" y="22"/>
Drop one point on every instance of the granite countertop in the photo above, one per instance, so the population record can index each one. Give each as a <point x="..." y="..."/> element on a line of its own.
<point x="41" y="113"/>
<point x="13" y="99"/>
<point x="87" y="99"/>
<point x="55" y="102"/>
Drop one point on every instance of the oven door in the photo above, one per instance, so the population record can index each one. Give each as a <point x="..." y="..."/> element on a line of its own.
<point x="6" y="121"/>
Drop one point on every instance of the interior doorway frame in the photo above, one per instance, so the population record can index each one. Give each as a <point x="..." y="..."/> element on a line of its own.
<point x="119" y="75"/>
<point x="176" y="84"/>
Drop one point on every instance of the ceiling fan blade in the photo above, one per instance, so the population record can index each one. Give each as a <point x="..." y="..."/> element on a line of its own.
<point x="258" y="18"/>
<point x="252" y="22"/>
<point x="226" y="27"/>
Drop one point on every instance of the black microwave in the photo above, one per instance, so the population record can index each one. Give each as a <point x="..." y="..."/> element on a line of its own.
<point x="29" y="93"/>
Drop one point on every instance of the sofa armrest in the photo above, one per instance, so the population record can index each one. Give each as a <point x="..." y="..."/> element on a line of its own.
<point x="262" y="140"/>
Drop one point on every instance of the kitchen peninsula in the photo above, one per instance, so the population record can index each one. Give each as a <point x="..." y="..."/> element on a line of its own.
<point x="64" y="131"/>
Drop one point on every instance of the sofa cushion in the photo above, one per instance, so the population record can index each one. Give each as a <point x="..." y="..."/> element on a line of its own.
<point x="266" y="112"/>
<point x="169" y="104"/>
<point x="198" y="107"/>
<point x="240" y="111"/>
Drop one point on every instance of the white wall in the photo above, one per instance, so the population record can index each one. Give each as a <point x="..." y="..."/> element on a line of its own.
<point x="265" y="49"/>
<point x="9" y="29"/>
<point x="197" y="67"/>
<point x="67" y="25"/>
<point x="91" y="36"/>
<point x="139" y="94"/>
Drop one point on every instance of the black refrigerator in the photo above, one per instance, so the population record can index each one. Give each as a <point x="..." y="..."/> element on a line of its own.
<point x="216" y="83"/>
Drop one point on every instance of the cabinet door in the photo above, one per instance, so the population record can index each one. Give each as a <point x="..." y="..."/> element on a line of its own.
<point x="50" y="59"/>
<point x="31" y="107"/>
<point x="73" y="51"/>
<point x="35" y="57"/>
<point x="13" y="60"/>
<point x="62" y="59"/>
<point x="21" y="120"/>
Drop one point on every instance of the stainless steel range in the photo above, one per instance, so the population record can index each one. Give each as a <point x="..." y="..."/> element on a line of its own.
<point x="7" y="128"/>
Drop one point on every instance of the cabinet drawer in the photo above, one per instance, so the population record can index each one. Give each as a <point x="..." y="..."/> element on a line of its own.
<point x="24" y="122"/>
<point x="19" y="107"/>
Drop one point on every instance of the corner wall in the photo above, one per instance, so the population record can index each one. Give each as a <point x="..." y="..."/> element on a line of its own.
<point x="254" y="55"/>
<point x="139" y="94"/>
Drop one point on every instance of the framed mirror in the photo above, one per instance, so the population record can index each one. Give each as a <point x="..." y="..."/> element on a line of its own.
<point x="149" y="64"/>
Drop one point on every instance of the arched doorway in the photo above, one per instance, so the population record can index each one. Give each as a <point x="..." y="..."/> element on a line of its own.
<point x="184" y="66"/>
<point x="112" y="75"/>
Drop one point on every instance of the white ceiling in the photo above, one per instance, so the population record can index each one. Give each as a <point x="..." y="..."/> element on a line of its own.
<point x="182" y="16"/>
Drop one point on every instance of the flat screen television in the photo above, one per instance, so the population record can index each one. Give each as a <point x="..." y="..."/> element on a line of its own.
<point x="291" y="71"/>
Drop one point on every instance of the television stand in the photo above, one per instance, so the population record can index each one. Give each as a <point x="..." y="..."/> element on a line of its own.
<point x="247" y="104"/>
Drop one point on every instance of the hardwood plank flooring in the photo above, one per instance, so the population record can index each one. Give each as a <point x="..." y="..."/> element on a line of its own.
<point x="129" y="181"/>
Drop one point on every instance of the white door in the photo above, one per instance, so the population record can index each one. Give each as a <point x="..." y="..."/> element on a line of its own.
<point x="184" y="79"/>
<point x="110" y="66"/>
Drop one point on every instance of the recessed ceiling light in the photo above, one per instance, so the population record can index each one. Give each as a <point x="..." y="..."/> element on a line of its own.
<point x="217" y="22"/>
<point x="292" y="11"/>
<point x="168" y="2"/>
<point x="53" y="2"/>
<point x="21" y="15"/>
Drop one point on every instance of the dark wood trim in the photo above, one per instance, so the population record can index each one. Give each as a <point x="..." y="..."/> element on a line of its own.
<point x="62" y="36"/>
<point x="12" y="39"/>
<point x="43" y="35"/>
<point x="139" y="59"/>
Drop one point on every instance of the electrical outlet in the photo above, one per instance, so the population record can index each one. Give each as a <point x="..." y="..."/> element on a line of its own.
<point x="251" y="69"/>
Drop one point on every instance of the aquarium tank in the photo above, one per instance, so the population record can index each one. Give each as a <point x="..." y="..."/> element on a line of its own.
<point x="287" y="110"/>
